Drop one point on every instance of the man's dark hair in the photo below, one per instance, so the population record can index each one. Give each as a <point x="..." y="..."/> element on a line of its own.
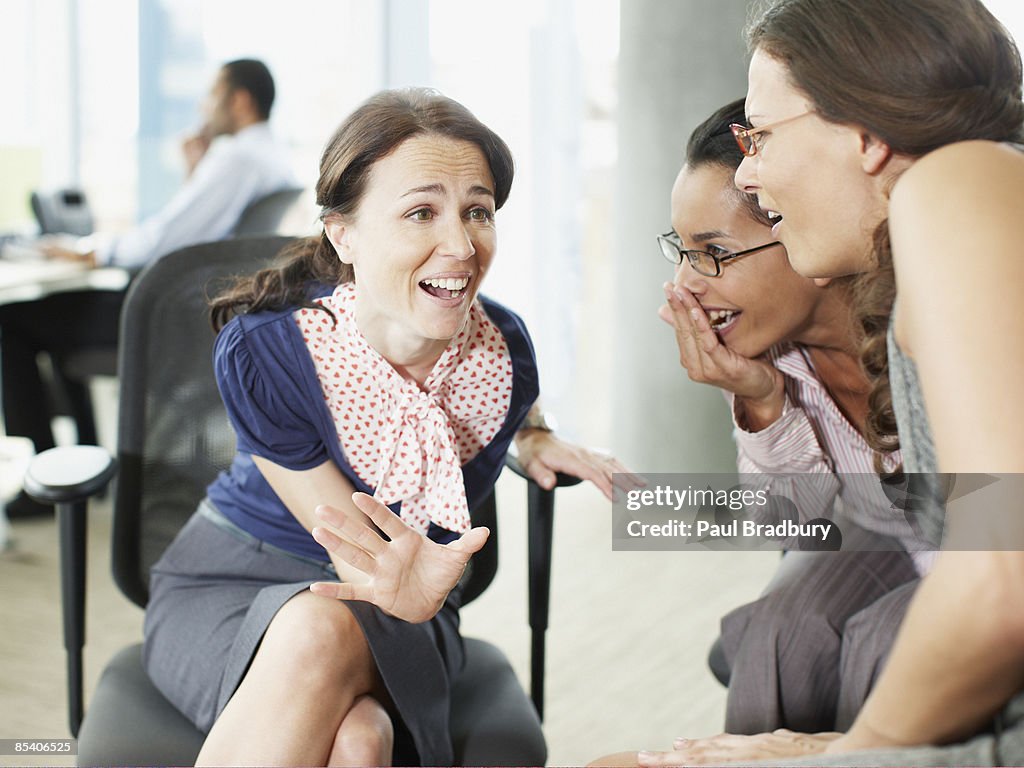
<point x="253" y="76"/>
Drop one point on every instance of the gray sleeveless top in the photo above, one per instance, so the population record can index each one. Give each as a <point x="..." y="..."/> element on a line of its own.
<point x="925" y="509"/>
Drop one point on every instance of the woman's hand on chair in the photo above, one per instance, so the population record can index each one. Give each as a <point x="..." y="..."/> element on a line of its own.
<point x="543" y="455"/>
<point x="409" y="577"/>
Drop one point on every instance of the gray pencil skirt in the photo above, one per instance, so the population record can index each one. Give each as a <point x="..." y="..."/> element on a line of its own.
<point x="216" y="589"/>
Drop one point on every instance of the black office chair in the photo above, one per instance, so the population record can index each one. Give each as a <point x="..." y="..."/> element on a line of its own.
<point x="269" y="214"/>
<point x="173" y="438"/>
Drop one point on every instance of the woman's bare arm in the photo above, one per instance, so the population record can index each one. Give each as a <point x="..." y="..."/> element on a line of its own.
<point x="302" y="491"/>
<point x="958" y="249"/>
<point x="957" y="236"/>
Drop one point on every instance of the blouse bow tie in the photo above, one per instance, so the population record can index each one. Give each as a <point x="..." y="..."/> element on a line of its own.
<point x="419" y="464"/>
<point x="409" y="443"/>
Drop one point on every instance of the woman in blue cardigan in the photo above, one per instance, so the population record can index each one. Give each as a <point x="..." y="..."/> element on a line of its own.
<point x="372" y="389"/>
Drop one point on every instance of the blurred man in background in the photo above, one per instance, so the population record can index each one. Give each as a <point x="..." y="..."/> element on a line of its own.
<point x="233" y="161"/>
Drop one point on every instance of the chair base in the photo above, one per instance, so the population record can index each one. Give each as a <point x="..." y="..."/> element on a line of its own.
<point x="493" y="721"/>
<point x="129" y="722"/>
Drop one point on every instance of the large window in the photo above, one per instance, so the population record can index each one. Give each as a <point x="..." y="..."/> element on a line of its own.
<point x="36" y="133"/>
<point x="542" y="74"/>
<point x="112" y="88"/>
<point x="107" y="90"/>
<point x="324" y="54"/>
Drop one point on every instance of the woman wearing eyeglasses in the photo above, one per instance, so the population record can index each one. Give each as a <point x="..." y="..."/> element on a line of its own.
<point x="910" y="113"/>
<point x="784" y="350"/>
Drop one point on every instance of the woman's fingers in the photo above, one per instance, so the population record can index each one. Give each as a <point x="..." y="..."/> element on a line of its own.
<point x="353" y="530"/>
<point x="666" y="315"/>
<point x="625" y="478"/>
<point x="471" y="541"/>
<point x="680" y="301"/>
<point x="694" y="334"/>
<point x="615" y="474"/>
<point x="351" y="554"/>
<point x="603" y="481"/>
<point x="685" y="338"/>
<point x="706" y="358"/>
<point x="730" y="748"/>
<point x="700" y="325"/>
<point x="381" y="516"/>
<point x="342" y="590"/>
<point x="647" y="759"/>
<point x="541" y="474"/>
<point x="603" y="468"/>
<point x="707" y="339"/>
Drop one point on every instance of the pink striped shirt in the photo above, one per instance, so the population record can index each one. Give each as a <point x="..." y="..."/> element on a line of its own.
<point x="813" y="439"/>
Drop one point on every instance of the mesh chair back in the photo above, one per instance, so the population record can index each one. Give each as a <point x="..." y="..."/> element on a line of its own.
<point x="269" y="214"/>
<point x="173" y="433"/>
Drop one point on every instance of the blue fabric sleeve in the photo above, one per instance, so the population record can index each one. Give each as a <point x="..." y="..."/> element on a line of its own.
<point x="258" y="374"/>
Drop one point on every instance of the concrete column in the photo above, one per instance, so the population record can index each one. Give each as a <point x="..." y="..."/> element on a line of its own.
<point x="406" y="50"/>
<point x="678" y="62"/>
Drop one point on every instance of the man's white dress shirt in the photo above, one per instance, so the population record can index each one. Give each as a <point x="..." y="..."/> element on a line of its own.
<point x="234" y="172"/>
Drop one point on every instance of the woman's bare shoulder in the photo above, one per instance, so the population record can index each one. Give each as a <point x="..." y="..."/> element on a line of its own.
<point x="978" y="170"/>
<point x="967" y="189"/>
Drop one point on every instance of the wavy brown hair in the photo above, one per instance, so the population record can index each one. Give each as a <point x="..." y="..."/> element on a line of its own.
<point x="372" y="132"/>
<point x="919" y="74"/>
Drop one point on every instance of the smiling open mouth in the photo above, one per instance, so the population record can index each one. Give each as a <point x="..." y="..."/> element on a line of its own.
<point x="445" y="287"/>
<point x="722" y="319"/>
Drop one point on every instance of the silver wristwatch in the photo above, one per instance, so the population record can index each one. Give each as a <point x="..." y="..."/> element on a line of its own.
<point x="537" y="419"/>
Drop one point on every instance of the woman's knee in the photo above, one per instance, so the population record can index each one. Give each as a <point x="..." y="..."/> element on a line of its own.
<point x="322" y="636"/>
<point x="366" y="735"/>
<point x="798" y="606"/>
<point x="827" y="588"/>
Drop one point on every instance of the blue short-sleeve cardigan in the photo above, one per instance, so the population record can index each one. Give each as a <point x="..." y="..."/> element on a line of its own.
<point x="276" y="406"/>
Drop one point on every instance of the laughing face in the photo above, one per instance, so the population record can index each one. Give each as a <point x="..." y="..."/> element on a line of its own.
<point x="816" y="178"/>
<point x="758" y="300"/>
<point x="419" y="243"/>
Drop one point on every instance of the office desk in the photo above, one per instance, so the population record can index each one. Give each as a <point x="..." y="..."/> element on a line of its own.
<point x="27" y="280"/>
<point x="32" y="299"/>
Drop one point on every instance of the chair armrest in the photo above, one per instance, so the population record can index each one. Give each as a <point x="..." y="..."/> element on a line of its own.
<point x="561" y="480"/>
<point x="69" y="473"/>
<point x="67" y="477"/>
<point x="540" y="516"/>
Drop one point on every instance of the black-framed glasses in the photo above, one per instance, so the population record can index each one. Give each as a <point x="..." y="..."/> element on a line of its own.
<point x="704" y="263"/>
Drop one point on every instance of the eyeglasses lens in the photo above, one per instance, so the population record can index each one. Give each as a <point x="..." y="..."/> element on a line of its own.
<point x="743" y="139"/>
<point x="670" y="250"/>
<point x="702" y="262"/>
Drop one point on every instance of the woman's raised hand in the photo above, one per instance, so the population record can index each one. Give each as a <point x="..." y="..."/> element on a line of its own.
<point x="409" y="577"/>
